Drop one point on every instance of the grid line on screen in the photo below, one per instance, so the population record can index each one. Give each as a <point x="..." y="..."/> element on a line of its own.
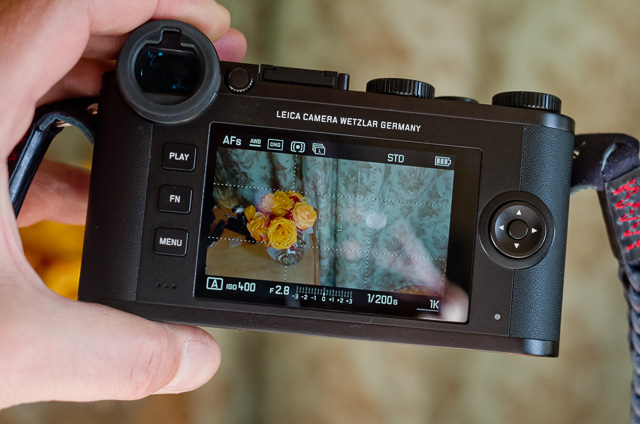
<point x="334" y="249"/>
<point x="312" y="193"/>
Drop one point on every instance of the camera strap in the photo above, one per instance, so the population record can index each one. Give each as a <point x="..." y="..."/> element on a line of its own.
<point x="48" y="121"/>
<point x="608" y="163"/>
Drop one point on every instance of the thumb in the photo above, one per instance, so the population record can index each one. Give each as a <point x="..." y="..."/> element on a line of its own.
<point x="63" y="350"/>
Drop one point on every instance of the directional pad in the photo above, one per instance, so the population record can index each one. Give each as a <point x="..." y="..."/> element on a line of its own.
<point x="518" y="230"/>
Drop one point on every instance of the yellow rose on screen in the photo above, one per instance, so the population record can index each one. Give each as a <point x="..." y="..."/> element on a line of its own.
<point x="282" y="203"/>
<point x="298" y="196"/>
<point x="258" y="226"/>
<point x="282" y="233"/>
<point x="266" y="203"/>
<point x="304" y="215"/>
<point x="249" y="212"/>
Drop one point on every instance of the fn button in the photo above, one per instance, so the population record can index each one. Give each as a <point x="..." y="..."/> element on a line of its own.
<point x="176" y="199"/>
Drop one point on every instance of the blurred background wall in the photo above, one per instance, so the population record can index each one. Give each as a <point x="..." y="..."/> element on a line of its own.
<point x="585" y="51"/>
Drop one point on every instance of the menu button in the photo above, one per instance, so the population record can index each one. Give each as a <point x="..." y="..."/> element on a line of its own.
<point x="170" y="241"/>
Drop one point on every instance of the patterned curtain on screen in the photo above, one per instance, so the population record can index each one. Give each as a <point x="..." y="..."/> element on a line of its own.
<point x="374" y="224"/>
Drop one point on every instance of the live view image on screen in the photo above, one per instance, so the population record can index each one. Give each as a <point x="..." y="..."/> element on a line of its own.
<point x="356" y="222"/>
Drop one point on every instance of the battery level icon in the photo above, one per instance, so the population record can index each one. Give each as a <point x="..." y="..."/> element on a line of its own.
<point x="443" y="161"/>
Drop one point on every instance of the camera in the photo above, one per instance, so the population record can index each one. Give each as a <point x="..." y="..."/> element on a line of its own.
<point x="272" y="198"/>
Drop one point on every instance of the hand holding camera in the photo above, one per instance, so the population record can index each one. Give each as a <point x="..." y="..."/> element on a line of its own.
<point x="52" y="348"/>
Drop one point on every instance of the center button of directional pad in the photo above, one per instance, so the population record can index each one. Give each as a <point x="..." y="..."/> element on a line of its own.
<point x="518" y="230"/>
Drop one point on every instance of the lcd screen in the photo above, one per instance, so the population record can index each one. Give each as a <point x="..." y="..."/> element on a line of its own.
<point x="335" y="222"/>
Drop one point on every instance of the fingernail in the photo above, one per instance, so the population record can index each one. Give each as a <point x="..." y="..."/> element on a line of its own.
<point x="198" y="364"/>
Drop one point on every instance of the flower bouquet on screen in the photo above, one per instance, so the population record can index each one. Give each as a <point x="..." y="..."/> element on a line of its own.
<point x="283" y="221"/>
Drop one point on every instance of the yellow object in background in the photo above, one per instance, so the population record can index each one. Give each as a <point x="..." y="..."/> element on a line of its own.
<point x="55" y="252"/>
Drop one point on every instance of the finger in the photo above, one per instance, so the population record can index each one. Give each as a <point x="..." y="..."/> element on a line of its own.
<point x="58" y="193"/>
<point x="86" y="352"/>
<point x="231" y="46"/>
<point x="208" y="16"/>
<point x="104" y="46"/>
<point x="12" y="259"/>
<point x="85" y="78"/>
<point x="28" y="25"/>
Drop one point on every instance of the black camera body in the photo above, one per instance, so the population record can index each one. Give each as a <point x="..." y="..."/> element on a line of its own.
<point x="269" y="198"/>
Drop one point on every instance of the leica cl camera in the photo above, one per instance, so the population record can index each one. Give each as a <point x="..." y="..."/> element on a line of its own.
<point x="273" y="198"/>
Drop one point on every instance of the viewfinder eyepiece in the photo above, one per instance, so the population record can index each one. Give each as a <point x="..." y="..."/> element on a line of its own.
<point x="168" y="72"/>
<point x="168" y="68"/>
